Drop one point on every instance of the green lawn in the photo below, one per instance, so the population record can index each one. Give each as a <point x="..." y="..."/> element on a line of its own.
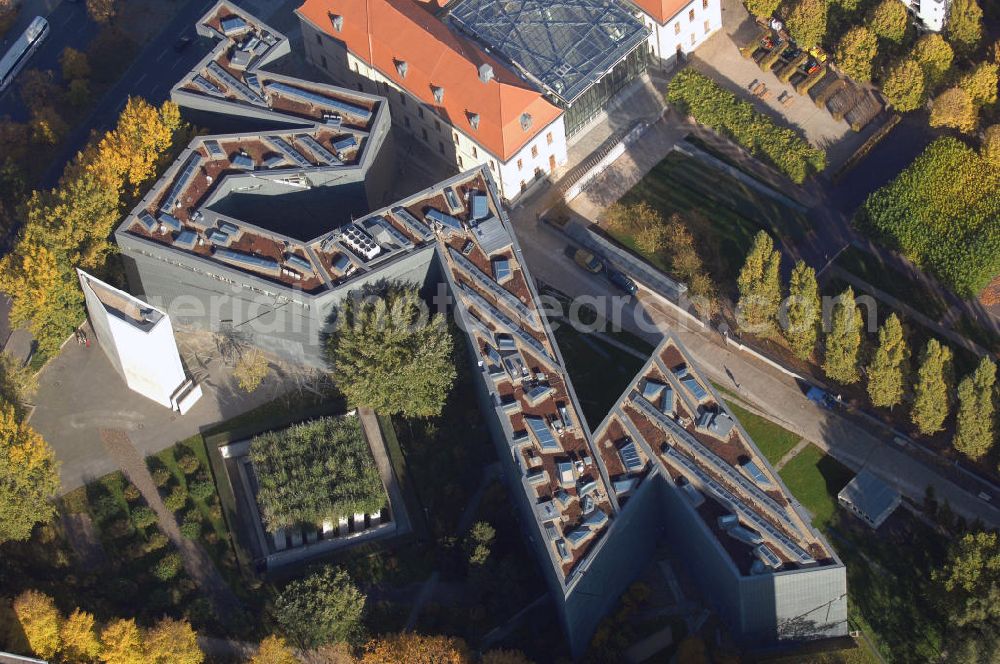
<point x="815" y="479"/>
<point x="870" y="268"/>
<point x="600" y="372"/>
<point x="731" y="213"/>
<point x="888" y="571"/>
<point x="771" y="439"/>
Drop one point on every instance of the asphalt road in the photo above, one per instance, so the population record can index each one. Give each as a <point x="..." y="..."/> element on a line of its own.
<point x="68" y="26"/>
<point x="154" y="71"/>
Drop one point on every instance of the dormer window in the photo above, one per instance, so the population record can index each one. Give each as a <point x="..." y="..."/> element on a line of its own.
<point x="438" y="93"/>
<point x="401" y="68"/>
<point x="525" y="121"/>
<point x="474" y="120"/>
<point x="485" y="72"/>
<point x="337" y="20"/>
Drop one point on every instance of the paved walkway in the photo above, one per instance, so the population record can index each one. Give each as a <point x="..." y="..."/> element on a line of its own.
<point x="791" y="454"/>
<point x="198" y="564"/>
<point x="373" y="432"/>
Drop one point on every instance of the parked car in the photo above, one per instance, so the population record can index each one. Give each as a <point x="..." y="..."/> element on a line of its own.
<point x="621" y="280"/>
<point x="588" y="261"/>
<point x="820" y="398"/>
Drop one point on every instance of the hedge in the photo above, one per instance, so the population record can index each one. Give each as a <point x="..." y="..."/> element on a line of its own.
<point x="699" y="96"/>
<point x="943" y="213"/>
<point x="317" y="471"/>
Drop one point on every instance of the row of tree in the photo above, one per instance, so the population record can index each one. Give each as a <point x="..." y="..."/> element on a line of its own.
<point x="799" y="319"/>
<point x="70" y="226"/>
<point x="669" y="240"/>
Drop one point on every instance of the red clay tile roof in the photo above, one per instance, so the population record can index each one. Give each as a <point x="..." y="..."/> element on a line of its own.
<point x="661" y="10"/>
<point x="386" y="32"/>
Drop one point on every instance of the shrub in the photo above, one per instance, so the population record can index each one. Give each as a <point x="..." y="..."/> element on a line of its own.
<point x="117" y="528"/>
<point x="104" y="508"/>
<point x="161" y="476"/>
<point x="132" y="493"/>
<point x="189" y="464"/>
<point x="156" y="542"/>
<point x="191" y="529"/>
<point x="168" y="567"/>
<point x="177" y="499"/>
<point x="202" y="490"/>
<point x="698" y="95"/>
<point x="143" y="517"/>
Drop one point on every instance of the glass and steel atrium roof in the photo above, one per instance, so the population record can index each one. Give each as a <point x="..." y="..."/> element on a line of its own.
<point x="565" y="46"/>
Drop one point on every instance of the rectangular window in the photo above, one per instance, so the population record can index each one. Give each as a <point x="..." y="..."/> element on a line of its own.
<point x="520" y="164"/>
<point x="475" y="152"/>
<point x="706" y="27"/>
<point x="423" y="133"/>
<point x="319" y="40"/>
<point x="548" y="138"/>
<point x="524" y="185"/>
<point x="437" y="123"/>
<point x="692" y="39"/>
<point x="534" y="150"/>
<point x="323" y="60"/>
<point x="460" y="161"/>
<point x="691" y="15"/>
<point x="441" y="147"/>
<point x="402" y="98"/>
<point x="493" y="166"/>
<point x="704" y="4"/>
<point x="420" y="112"/>
<point x="677" y="28"/>
<point x="455" y="137"/>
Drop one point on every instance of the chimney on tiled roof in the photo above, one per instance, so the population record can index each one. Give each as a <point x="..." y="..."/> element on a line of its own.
<point x="486" y="72"/>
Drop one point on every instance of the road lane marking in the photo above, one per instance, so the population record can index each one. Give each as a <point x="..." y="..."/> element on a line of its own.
<point x="140" y="80"/>
<point x="162" y="55"/>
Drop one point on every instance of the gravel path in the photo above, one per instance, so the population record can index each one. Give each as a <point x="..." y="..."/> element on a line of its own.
<point x="197" y="563"/>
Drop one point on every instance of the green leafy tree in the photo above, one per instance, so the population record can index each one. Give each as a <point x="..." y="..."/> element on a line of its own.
<point x="807" y="21"/>
<point x="935" y="57"/>
<point x="760" y="286"/>
<point x="74" y="64"/>
<point x="856" y="52"/>
<point x="385" y="355"/>
<point x="886" y="372"/>
<point x="970" y="579"/>
<point x="843" y="341"/>
<point x="981" y="83"/>
<point x="991" y="145"/>
<point x="954" y="108"/>
<point x="888" y="20"/>
<point x="803" y="311"/>
<point x="965" y="25"/>
<point x="29" y="477"/>
<point x="904" y="83"/>
<point x="931" y="398"/>
<point x="974" y="431"/>
<point x="324" y="607"/>
<point x="762" y="8"/>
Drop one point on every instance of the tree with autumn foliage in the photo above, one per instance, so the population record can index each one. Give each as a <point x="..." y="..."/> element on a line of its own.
<point x="887" y="372"/>
<point x="843" y="340"/>
<point x="274" y="650"/>
<point x="954" y="108"/>
<point x="79" y="638"/>
<point x="122" y="643"/>
<point x="40" y="621"/>
<point x="991" y="145"/>
<point x="416" y="649"/>
<point x="932" y="392"/>
<point x="759" y="283"/>
<point x="29" y="477"/>
<point x="173" y="642"/>
<point x="70" y="226"/>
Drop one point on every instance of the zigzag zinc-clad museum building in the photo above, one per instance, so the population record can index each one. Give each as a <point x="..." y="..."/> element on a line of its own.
<point x="268" y="230"/>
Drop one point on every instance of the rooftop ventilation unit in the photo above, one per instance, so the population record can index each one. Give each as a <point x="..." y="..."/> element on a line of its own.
<point x="486" y="72"/>
<point x="360" y="242"/>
